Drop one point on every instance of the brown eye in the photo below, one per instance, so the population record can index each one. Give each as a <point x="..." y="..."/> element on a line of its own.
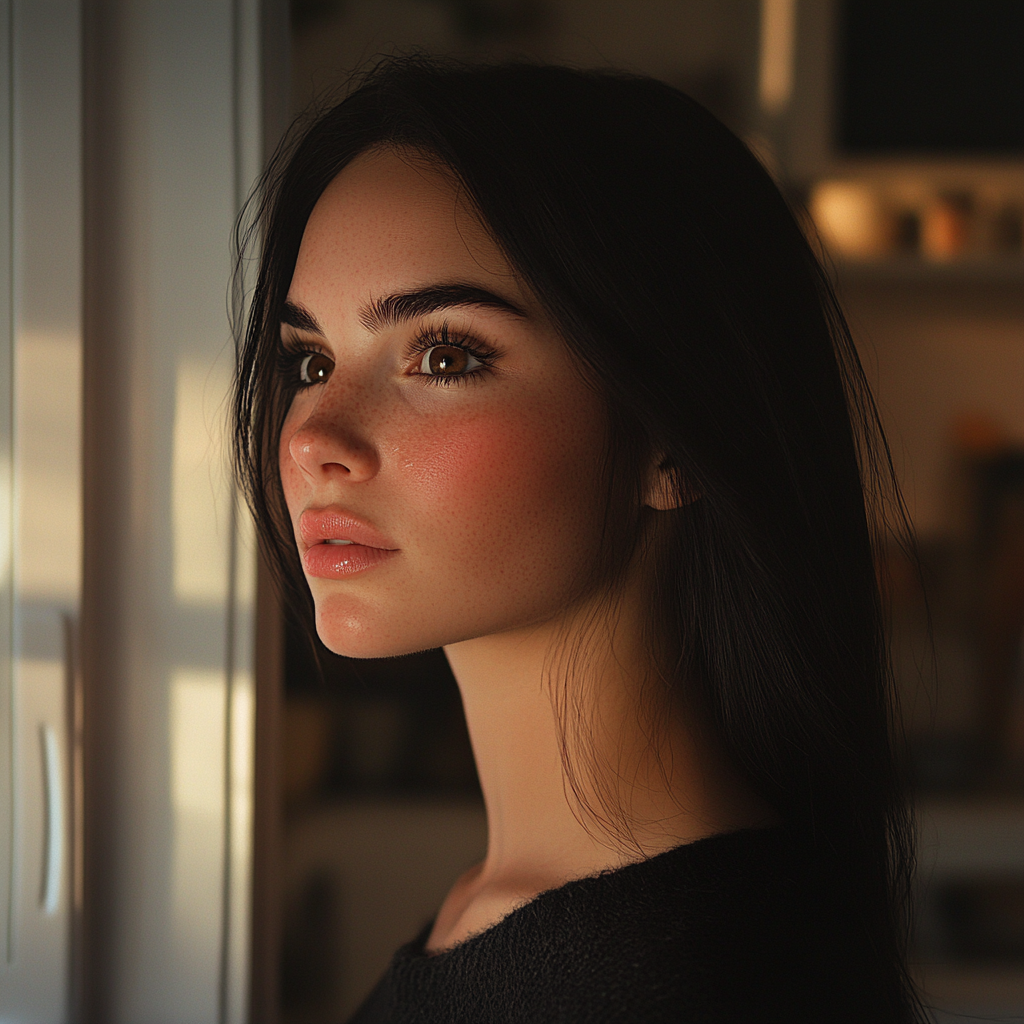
<point x="447" y="361"/>
<point x="315" y="368"/>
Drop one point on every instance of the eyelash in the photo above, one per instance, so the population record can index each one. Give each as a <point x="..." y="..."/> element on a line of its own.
<point x="432" y="337"/>
<point x="289" y="359"/>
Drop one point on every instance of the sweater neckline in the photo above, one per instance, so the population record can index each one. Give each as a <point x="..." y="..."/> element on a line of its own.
<point x="415" y="950"/>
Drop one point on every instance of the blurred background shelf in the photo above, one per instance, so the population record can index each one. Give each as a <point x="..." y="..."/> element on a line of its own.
<point x="362" y="876"/>
<point x="969" y="995"/>
<point x="970" y="837"/>
<point x="910" y="269"/>
<point x="969" y="928"/>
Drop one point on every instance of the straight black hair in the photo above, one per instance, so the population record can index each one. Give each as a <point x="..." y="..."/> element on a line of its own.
<point x="675" y="271"/>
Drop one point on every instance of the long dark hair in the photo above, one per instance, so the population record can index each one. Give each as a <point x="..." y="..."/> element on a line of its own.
<point x="674" y="269"/>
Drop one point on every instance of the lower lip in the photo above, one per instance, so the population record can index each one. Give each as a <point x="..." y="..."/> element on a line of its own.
<point x="335" y="561"/>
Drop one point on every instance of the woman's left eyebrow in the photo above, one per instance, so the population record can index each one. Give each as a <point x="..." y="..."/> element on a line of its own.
<point x="294" y="315"/>
<point x="392" y="310"/>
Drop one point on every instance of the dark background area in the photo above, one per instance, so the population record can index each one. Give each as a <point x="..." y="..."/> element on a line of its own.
<point x="931" y="76"/>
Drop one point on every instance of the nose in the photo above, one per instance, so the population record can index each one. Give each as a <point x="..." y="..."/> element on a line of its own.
<point x="329" y="444"/>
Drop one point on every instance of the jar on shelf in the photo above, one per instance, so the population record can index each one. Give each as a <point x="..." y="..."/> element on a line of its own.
<point x="853" y="220"/>
<point x="947" y="227"/>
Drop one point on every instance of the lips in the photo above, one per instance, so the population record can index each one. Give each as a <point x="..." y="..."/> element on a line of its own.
<point x="339" y="545"/>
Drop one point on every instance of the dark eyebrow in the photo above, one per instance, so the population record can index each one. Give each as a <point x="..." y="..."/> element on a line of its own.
<point x="294" y="315"/>
<point x="393" y="309"/>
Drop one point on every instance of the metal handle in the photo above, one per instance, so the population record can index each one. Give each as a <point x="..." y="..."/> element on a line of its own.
<point x="53" y="847"/>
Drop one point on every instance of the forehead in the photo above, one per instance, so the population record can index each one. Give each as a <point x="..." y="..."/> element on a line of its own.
<point x="393" y="220"/>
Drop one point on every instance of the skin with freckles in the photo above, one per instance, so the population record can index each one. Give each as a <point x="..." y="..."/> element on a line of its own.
<point x="441" y="464"/>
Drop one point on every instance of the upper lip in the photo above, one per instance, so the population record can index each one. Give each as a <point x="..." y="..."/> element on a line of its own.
<point x="317" y="525"/>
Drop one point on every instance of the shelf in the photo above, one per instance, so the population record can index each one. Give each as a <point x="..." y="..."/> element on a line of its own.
<point x="1006" y="270"/>
<point x="993" y="993"/>
<point x="969" y="839"/>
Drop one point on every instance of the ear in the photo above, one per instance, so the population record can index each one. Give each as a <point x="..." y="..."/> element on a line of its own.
<point x="665" y="490"/>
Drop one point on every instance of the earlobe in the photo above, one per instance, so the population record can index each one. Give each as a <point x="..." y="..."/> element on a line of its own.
<point x="665" y="489"/>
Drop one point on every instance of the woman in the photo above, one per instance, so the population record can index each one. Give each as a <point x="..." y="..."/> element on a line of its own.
<point x="539" y="369"/>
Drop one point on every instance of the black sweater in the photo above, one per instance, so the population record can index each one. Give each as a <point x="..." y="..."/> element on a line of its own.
<point x="723" y="929"/>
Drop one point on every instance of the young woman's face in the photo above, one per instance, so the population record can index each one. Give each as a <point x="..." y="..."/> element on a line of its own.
<point x="441" y="459"/>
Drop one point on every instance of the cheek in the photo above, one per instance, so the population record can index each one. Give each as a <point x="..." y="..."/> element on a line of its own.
<point x="498" y="481"/>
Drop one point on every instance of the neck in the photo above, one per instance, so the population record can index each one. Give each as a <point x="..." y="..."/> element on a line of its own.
<point x="670" y="791"/>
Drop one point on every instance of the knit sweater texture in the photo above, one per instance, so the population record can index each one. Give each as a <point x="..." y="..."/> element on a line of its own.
<point x="723" y="929"/>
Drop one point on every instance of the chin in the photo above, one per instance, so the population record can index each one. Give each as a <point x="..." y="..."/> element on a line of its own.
<point x="354" y="635"/>
<point x="358" y="630"/>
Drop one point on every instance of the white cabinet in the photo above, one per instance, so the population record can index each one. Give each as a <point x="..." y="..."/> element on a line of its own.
<point x="130" y="133"/>
<point x="41" y="505"/>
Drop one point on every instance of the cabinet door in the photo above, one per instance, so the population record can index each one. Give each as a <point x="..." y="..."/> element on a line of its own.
<point x="129" y="136"/>
<point x="40" y="497"/>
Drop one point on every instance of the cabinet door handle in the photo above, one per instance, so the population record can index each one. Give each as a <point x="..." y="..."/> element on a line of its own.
<point x="53" y="846"/>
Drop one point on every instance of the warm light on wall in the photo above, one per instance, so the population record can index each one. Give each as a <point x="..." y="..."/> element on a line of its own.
<point x="200" y="487"/>
<point x="775" y="80"/>
<point x="6" y="510"/>
<point x="48" y="541"/>
<point x="197" y="741"/>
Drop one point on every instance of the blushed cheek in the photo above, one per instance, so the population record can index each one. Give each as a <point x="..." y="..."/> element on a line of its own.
<point x="510" y="484"/>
